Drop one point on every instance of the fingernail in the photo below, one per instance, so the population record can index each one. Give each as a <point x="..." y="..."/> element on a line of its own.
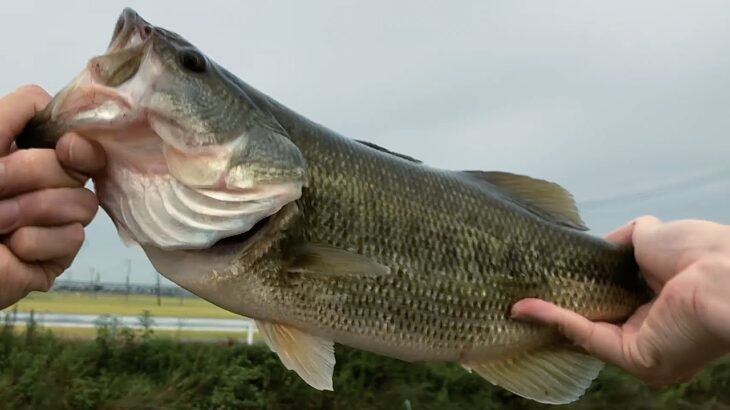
<point x="9" y="214"/>
<point x="517" y="312"/>
<point x="531" y="309"/>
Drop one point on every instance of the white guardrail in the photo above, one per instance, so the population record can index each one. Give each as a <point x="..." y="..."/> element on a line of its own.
<point x="158" y="322"/>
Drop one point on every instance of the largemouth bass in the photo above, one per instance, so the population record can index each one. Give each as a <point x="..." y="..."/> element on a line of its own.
<point x="324" y="239"/>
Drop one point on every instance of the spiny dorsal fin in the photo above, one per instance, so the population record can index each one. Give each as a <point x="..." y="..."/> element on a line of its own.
<point x="327" y="260"/>
<point x="548" y="199"/>
<point x="311" y="357"/>
<point x="552" y="375"/>
<point x="387" y="151"/>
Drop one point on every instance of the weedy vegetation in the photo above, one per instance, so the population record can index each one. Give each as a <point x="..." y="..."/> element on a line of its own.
<point x="124" y="368"/>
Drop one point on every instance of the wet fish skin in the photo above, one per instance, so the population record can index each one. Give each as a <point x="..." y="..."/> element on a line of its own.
<point x="460" y="255"/>
<point x="378" y="251"/>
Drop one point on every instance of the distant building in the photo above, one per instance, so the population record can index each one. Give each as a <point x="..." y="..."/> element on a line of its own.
<point x="119" y="288"/>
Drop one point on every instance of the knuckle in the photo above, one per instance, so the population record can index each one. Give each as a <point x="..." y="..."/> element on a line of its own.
<point x="31" y="89"/>
<point x="645" y="361"/>
<point x="27" y="163"/>
<point x="64" y="264"/>
<point x="712" y="263"/>
<point x="76" y="236"/>
<point x="6" y="261"/>
<point x="11" y="215"/>
<point x="45" y="286"/>
<point x="22" y="240"/>
<point x="646" y="219"/>
<point x="645" y="223"/>
<point x="41" y="203"/>
<point x="584" y="338"/>
<point x="38" y="158"/>
<point x="561" y="324"/>
<point x="89" y="206"/>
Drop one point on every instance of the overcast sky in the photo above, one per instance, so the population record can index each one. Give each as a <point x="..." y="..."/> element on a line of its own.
<point x="625" y="104"/>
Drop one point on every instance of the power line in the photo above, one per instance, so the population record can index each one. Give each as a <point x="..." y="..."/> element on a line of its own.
<point x="671" y="188"/>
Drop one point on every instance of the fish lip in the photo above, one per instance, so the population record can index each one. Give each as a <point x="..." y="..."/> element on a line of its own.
<point x="85" y="95"/>
<point x="129" y="23"/>
<point x="87" y="92"/>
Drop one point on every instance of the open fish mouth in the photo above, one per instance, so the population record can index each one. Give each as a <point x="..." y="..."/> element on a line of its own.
<point x="177" y="178"/>
<point x="97" y="97"/>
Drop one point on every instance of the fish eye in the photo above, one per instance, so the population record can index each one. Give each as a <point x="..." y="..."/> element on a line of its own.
<point x="193" y="61"/>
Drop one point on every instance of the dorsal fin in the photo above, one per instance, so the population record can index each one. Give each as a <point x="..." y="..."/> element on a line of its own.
<point x="387" y="151"/>
<point x="547" y="199"/>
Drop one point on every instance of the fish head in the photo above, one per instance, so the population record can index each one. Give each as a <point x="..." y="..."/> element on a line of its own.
<point x="192" y="159"/>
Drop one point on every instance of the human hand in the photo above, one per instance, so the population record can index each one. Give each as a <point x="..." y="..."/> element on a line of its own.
<point x="43" y="203"/>
<point x="684" y="328"/>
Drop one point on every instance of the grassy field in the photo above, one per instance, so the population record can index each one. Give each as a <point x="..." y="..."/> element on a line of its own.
<point x="119" y="305"/>
<point x="134" y="305"/>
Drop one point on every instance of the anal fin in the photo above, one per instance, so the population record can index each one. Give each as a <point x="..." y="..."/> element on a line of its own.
<point x="551" y="375"/>
<point x="311" y="357"/>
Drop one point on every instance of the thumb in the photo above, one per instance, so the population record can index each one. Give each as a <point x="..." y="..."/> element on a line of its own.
<point x="80" y="154"/>
<point x="599" y="339"/>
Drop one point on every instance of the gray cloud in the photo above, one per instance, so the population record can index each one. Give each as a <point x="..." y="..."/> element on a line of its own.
<point x="607" y="99"/>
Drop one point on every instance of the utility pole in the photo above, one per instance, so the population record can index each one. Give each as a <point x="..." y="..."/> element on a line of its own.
<point x="91" y="283"/>
<point x="129" y="271"/>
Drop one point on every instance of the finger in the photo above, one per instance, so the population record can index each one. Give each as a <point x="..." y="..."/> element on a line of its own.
<point x="18" y="278"/>
<point x="34" y="243"/>
<point x="602" y="340"/>
<point x="80" y="154"/>
<point x="624" y="234"/>
<point x="33" y="169"/>
<point x="48" y="207"/>
<point x="16" y="109"/>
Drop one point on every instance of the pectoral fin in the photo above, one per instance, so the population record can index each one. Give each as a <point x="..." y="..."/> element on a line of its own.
<point x="327" y="260"/>
<point x="553" y="375"/>
<point x="311" y="357"/>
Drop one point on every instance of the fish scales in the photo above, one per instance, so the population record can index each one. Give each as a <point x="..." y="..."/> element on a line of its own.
<point x="459" y="258"/>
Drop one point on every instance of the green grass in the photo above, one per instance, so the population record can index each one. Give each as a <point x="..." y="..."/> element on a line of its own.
<point x="120" y="305"/>
<point x="134" y="305"/>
